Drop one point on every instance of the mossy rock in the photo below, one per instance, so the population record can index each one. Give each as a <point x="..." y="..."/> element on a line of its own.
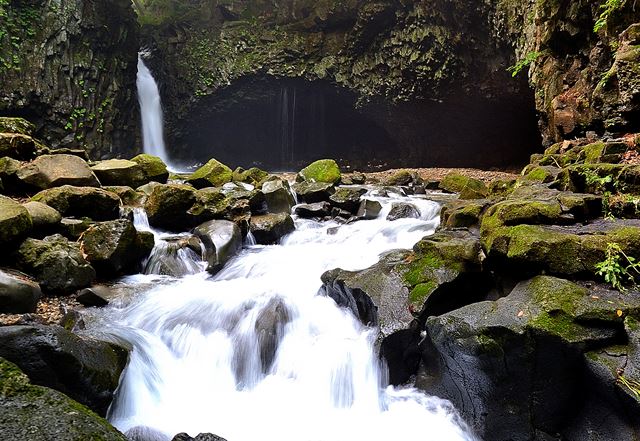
<point x="37" y="413"/>
<point x="58" y="265"/>
<point x="49" y="171"/>
<point x="468" y="188"/>
<point x="120" y="172"/>
<point x="401" y="178"/>
<point x="324" y="170"/>
<point x="312" y="192"/>
<point x="268" y="229"/>
<point x="540" y="174"/>
<point x="18" y="146"/>
<point x="253" y="176"/>
<point x="347" y="198"/>
<point x="114" y="248"/>
<point x="167" y="206"/>
<point x="212" y="174"/>
<point x="15" y="221"/>
<point x="16" y="125"/>
<point x="127" y="195"/>
<point x="94" y="203"/>
<point x="43" y="216"/>
<point x="153" y="167"/>
<point x="437" y="260"/>
<point x="501" y="187"/>
<point x="463" y="213"/>
<point x="571" y="250"/>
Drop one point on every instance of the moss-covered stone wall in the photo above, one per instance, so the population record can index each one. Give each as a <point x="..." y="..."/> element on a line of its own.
<point x="70" y="67"/>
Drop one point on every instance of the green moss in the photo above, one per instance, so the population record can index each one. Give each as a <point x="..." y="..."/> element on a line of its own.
<point x="560" y="325"/>
<point x="420" y="293"/>
<point x="153" y="167"/>
<point x="419" y="269"/>
<point x="593" y="152"/>
<point x="324" y="170"/>
<point x="254" y="176"/>
<point x="553" y="294"/>
<point x="539" y="174"/>
<point x="213" y="173"/>
<point x="467" y="187"/>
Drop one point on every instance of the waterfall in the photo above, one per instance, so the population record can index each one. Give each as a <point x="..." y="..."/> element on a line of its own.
<point x="255" y="353"/>
<point x="151" y="111"/>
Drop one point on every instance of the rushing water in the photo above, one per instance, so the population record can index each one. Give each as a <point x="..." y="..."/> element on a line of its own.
<point x="255" y="354"/>
<point x="151" y="111"/>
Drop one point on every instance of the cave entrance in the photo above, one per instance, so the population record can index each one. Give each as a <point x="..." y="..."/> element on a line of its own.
<point x="285" y="125"/>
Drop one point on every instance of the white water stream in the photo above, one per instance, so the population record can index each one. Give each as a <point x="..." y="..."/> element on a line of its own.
<point x="254" y="354"/>
<point x="151" y="112"/>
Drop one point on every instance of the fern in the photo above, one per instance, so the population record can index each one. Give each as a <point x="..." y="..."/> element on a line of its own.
<point x="608" y="8"/>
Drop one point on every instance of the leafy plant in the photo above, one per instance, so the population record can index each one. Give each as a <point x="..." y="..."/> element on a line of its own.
<point x="525" y="62"/>
<point x="618" y="268"/>
<point x="608" y="8"/>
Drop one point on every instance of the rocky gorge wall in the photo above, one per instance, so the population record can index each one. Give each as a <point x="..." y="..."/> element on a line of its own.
<point x="583" y="61"/>
<point x="421" y="81"/>
<point x="69" y="66"/>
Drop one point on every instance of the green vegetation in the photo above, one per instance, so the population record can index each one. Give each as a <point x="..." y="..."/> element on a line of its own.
<point x="525" y="62"/>
<point x="608" y="8"/>
<point x="17" y="25"/>
<point x="618" y="268"/>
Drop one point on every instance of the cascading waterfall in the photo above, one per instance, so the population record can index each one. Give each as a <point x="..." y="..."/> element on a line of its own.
<point x="151" y="111"/>
<point x="255" y="353"/>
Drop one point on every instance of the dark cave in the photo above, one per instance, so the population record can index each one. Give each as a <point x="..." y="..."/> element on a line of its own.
<point x="285" y="124"/>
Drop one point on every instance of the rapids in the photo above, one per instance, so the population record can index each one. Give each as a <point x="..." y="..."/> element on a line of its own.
<point x="255" y="354"/>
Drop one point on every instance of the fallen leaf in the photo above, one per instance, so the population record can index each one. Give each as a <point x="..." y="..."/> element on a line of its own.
<point x="521" y="313"/>
<point x="619" y="313"/>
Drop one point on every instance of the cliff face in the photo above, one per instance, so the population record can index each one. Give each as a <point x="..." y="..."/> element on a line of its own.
<point x="420" y="82"/>
<point x="70" y="67"/>
<point x="584" y="62"/>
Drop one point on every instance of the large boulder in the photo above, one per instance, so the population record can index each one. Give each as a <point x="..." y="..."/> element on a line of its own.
<point x="179" y="207"/>
<point x="212" y="174"/>
<point x="268" y="229"/>
<point x="152" y="167"/>
<point x="444" y="272"/>
<point x="18" y="293"/>
<point x="468" y="188"/>
<point x="56" y="170"/>
<point x="222" y="239"/>
<point x="277" y="194"/>
<point x="176" y="256"/>
<point x="403" y="210"/>
<point x="120" y="172"/>
<point x="9" y="175"/>
<point x="45" y="218"/>
<point x="324" y="170"/>
<point x="94" y="203"/>
<point x="16" y="125"/>
<point x="312" y="192"/>
<point x="378" y="295"/>
<point x="116" y="247"/>
<point x="561" y="250"/>
<point x="541" y="328"/>
<point x="311" y="211"/>
<point x="36" y="413"/>
<point x="57" y="264"/>
<point x="347" y="198"/>
<point x="15" y="221"/>
<point x="17" y="146"/>
<point x="86" y="370"/>
<point x="253" y="176"/>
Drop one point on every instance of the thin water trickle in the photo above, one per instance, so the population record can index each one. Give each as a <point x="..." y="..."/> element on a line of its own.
<point x="255" y="353"/>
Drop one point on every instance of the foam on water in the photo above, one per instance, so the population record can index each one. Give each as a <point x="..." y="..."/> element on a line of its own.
<point x="255" y="354"/>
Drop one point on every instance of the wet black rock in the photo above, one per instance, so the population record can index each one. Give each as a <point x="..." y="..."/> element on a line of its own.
<point x="268" y="229"/>
<point x="402" y="210"/>
<point x="315" y="210"/>
<point x="18" y="293"/>
<point x="86" y="370"/>
<point x="222" y="239"/>
<point x="200" y="437"/>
